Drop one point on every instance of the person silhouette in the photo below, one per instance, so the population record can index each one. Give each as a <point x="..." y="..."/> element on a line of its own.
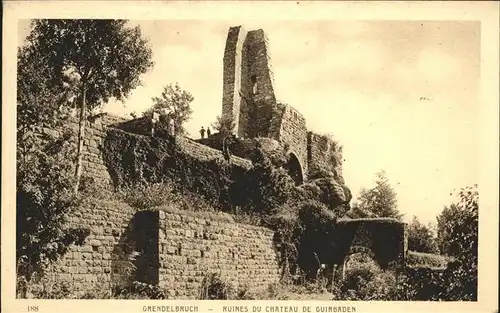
<point x="208" y="132"/>
<point x="202" y="132"/>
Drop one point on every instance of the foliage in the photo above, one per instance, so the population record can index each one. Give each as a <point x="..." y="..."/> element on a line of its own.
<point x="154" y="195"/>
<point x="224" y="126"/>
<point x="266" y="187"/>
<point x="135" y="160"/>
<point x="330" y="192"/>
<point x="106" y="56"/>
<point x="175" y="104"/>
<point x="365" y="280"/>
<point x="282" y="291"/>
<point x="419" y="259"/>
<point x="318" y="239"/>
<point x="304" y="236"/>
<point x="44" y="201"/>
<point x="458" y="237"/>
<point x="40" y="102"/>
<point x="96" y="59"/>
<point x="49" y="288"/>
<point x="214" y="288"/>
<point x="140" y="290"/>
<point x="421" y="237"/>
<point x="381" y="199"/>
<point x="44" y="163"/>
<point x="356" y="212"/>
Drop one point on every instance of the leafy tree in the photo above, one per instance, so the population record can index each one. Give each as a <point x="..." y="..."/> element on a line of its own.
<point x="44" y="201"/>
<point x="421" y="237"/>
<point x="175" y="103"/>
<point x="44" y="166"/>
<point x="39" y="101"/>
<point x="224" y="126"/>
<point x="105" y="58"/>
<point x="457" y="233"/>
<point x="356" y="212"/>
<point x="381" y="199"/>
<point x="458" y="237"/>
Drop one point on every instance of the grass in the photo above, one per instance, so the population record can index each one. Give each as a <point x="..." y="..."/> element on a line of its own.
<point x="426" y="260"/>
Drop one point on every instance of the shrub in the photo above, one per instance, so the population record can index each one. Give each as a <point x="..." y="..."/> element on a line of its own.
<point x="421" y="238"/>
<point x="44" y="202"/>
<point x="140" y="290"/>
<point x="458" y="237"/>
<point x="418" y="259"/>
<point x="365" y="280"/>
<point x="266" y="187"/>
<point x="48" y="288"/>
<point x="214" y="288"/>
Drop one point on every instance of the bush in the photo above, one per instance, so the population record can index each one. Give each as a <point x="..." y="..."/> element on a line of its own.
<point x="365" y="280"/>
<point x="140" y="290"/>
<point x="153" y="195"/>
<point x="304" y="235"/>
<point x="44" y="202"/>
<point x="418" y="259"/>
<point x="265" y="186"/>
<point x="214" y="288"/>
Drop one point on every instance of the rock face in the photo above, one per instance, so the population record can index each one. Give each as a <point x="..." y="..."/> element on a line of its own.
<point x="330" y="192"/>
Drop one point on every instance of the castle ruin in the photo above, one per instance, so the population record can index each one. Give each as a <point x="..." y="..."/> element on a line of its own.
<point x="249" y="101"/>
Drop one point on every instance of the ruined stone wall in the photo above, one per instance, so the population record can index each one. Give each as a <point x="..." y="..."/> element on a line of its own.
<point x="100" y="260"/>
<point x="205" y="153"/>
<point x="385" y="237"/>
<point x="323" y="154"/>
<point x="289" y="127"/>
<point x="248" y="93"/>
<point x="95" y="131"/>
<point x="192" y="247"/>
<point x="259" y="84"/>
<point x="231" y="99"/>
<point x="258" y="63"/>
<point x="172" y="249"/>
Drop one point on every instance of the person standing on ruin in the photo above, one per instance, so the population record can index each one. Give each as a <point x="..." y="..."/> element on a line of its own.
<point x="208" y="132"/>
<point x="202" y="132"/>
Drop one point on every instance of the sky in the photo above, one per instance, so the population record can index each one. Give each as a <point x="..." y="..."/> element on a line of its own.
<point x="400" y="96"/>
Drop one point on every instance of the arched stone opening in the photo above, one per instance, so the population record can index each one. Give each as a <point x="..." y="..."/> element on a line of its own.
<point x="358" y="254"/>
<point x="295" y="169"/>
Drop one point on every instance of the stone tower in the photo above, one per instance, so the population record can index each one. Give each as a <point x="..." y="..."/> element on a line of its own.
<point x="248" y="93"/>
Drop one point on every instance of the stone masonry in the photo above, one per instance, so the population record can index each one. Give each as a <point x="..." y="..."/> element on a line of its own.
<point x="172" y="249"/>
<point x="95" y="131"/>
<point x="249" y="101"/>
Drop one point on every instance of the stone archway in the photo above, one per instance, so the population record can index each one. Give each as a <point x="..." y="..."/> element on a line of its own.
<point x="294" y="169"/>
<point x="356" y="250"/>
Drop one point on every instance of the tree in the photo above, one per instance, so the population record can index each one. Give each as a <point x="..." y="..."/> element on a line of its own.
<point x="44" y="202"/>
<point x="44" y="178"/>
<point x="457" y="233"/>
<point x="381" y="199"/>
<point x="105" y="57"/>
<point x="421" y="238"/>
<point x="175" y="103"/>
<point x="356" y="212"/>
<point x="224" y="126"/>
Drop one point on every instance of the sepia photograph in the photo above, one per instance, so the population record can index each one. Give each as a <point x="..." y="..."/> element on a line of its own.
<point x="334" y="160"/>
